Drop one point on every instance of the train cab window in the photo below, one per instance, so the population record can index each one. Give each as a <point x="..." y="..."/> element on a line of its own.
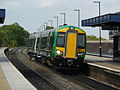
<point x="81" y="40"/>
<point x="61" y="39"/>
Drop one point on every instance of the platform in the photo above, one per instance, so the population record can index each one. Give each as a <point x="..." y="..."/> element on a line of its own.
<point x="103" y="69"/>
<point x="10" y="77"/>
<point x="103" y="62"/>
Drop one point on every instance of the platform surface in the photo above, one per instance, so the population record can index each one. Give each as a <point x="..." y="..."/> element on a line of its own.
<point x="103" y="62"/>
<point x="10" y="77"/>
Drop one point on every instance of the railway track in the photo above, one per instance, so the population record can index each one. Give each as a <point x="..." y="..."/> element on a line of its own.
<point x="39" y="81"/>
<point x="75" y="80"/>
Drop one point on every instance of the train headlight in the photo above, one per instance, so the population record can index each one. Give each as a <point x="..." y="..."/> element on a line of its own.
<point x="80" y="53"/>
<point x="59" y="52"/>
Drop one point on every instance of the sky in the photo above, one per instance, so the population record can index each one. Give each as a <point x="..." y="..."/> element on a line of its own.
<point x="32" y="14"/>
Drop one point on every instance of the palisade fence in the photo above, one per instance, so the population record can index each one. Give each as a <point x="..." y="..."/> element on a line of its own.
<point x="107" y="47"/>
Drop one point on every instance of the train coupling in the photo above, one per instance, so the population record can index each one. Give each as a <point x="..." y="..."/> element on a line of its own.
<point x="70" y="62"/>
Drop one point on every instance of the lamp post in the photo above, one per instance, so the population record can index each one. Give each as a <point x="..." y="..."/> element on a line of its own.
<point x="78" y="16"/>
<point x="46" y="24"/>
<point x="51" y="22"/>
<point x="57" y="19"/>
<point x="64" y="17"/>
<point x="100" y="47"/>
<point x="43" y="27"/>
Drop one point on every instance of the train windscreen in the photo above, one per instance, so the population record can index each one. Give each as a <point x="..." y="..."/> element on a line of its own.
<point x="81" y="41"/>
<point x="61" y="39"/>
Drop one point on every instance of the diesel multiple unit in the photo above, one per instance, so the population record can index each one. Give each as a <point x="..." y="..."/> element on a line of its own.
<point x="61" y="47"/>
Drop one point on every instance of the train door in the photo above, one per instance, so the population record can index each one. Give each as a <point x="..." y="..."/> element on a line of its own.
<point x="35" y="43"/>
<point x="71" y="44"/>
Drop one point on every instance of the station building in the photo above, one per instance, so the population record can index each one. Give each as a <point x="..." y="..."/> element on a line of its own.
<point x="2" y="16"/>
<point x="109" y="22"/>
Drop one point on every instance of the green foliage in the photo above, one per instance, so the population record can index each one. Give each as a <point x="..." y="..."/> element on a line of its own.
<point x="49" y="27"/>
<point x="93" y="38"/>
<point x="13" y="35"/>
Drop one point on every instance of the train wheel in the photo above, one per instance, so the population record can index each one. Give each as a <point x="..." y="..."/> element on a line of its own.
<point x="54" y="65"/>
<point x="36" y="59"/>
<point x="42" y="61"/>
<point x="30" y="56"/>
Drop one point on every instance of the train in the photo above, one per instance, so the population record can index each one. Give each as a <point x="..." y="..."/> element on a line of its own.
<point x="61" y="47"/>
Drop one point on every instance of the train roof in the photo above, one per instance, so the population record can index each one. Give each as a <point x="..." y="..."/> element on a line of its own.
<point x="56" y="29"/>
<point x="33" y="35"/>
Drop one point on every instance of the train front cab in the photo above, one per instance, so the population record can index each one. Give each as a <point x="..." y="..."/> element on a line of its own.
<point x="70" y="47"/>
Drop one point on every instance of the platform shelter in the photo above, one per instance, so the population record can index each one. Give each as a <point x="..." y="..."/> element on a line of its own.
<point x="107" y="22"/>
<point x="2" y="16"/>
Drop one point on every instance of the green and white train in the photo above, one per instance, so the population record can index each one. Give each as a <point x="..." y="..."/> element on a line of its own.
<point x="61" y="47"/>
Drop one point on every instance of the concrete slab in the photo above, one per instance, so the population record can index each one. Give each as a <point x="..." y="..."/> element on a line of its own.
<point x="14" y="78"/>
<point x="3" y="82"/>
<point x="102" y="62"/>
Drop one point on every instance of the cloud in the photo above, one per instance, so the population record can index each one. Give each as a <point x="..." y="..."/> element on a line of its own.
<point x="46" y="3"/>
<point x="9" y="4"/>
<point x="20" y="3"/>
<point x="12" y="4"/>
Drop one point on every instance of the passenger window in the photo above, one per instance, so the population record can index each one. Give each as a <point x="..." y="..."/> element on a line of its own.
<point x="43" y="42"/>
<point x="51" y="41"/>
<point x="38" y="43"/>
<point x="31" y="43"/>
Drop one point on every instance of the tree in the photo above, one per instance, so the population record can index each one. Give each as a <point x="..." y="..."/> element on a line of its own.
<point x="13" y="35"/>
<point x="93" y="38"/>
<point x="49" y="27"/>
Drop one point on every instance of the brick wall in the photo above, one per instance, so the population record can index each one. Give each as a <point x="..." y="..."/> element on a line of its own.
<point x="107" y="47"/>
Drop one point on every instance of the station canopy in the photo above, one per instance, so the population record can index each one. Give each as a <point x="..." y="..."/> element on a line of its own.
<point x="2" y="15"/>
<point x="107" y="21"/>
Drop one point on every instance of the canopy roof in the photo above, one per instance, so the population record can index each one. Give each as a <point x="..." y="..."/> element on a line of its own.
<point x="107" y="21"/>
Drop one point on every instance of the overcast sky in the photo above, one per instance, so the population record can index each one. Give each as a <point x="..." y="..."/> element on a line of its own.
<point x="31" y="14"/>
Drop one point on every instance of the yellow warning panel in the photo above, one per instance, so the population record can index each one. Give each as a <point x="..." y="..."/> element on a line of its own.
<point x="71" y="45"/>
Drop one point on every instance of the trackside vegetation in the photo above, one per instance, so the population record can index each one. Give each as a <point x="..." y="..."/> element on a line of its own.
<point x="13" y="35"/>
<point x="49" y="27"/>
<point x="93" y="38"/>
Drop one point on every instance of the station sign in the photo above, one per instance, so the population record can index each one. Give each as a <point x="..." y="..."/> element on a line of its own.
<point x="110" y="27"/>
<point x="114" y="32"/>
